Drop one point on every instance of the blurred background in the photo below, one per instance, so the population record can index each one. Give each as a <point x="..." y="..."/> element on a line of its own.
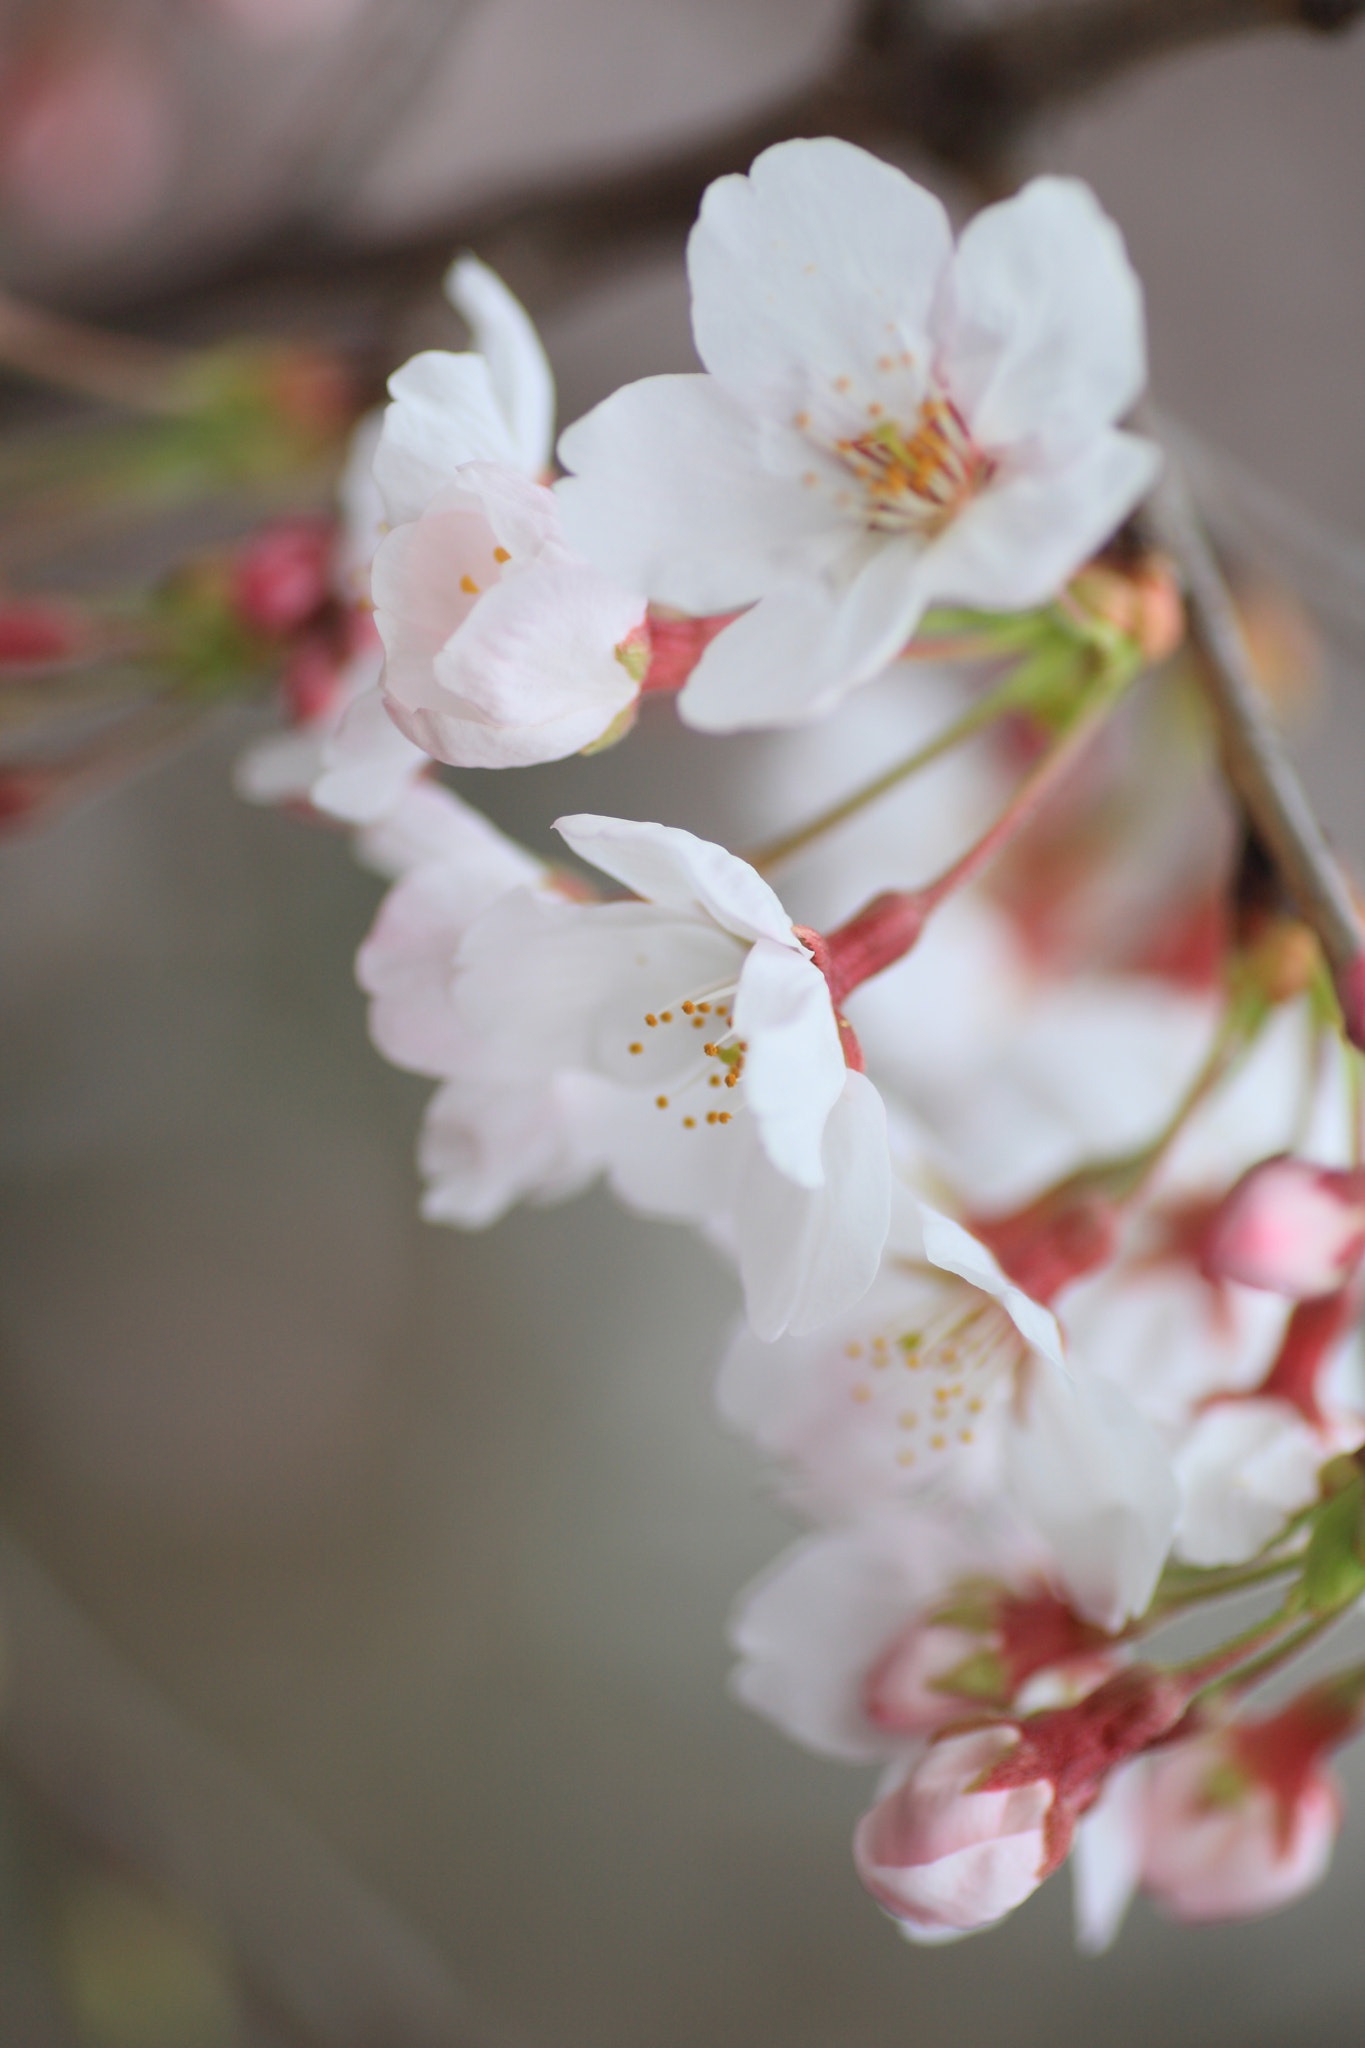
<point x="362" y="1609"/>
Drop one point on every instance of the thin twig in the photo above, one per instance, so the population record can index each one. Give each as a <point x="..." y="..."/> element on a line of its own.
<point x="963" y="92"/>
<point x="1254" y="758"/>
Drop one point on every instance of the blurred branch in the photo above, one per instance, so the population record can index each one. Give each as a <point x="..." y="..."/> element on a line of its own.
<point x="1257" y="766"/>
<point x="333" y="1964"/>
<point x="964" y="93"/>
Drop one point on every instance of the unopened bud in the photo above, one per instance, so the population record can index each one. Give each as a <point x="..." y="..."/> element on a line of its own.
<point x="281" y="575"/>
<point x="1242" y="1820"/>
<point x="1142" y="602"/>
<point x="1290" y="1228"/>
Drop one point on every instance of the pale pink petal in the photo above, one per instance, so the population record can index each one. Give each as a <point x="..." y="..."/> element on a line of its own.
<point x="955" y="1250"/>
<point x="823" y="263"/>
<point x="671" y="493"/>
<point x="1106" y="1858"/>
<point x="803" y="647"/>
<point x="1018" y="543"/>
<point x="806" y="1255"/>
<point x="367" y="764"/>
<point x="1244" y="1467"/>
<point x="678" y="871"/>
<point x="1041" y="335"/>
<point x="1096" y="1481"/>
<point x="518" y="367"/>
<point x="444" y="413"/>
<point x="794" y="1070"/>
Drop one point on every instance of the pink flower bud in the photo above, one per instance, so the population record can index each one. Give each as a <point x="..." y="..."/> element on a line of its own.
<point x="281" y="576"/>
<point x="943" y="1853"/>
<point x="980" y="1653"/>
<point x="34" y="633"/>
<point x="87" y="138"/>
<point x="1291" y="1228"/>
<point x="910" y="1690"/>
<point x="1239" y="1822"/>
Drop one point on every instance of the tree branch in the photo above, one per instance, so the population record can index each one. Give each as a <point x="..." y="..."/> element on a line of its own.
<point x="963" y="93"/>
<point x="1254" y="759"/>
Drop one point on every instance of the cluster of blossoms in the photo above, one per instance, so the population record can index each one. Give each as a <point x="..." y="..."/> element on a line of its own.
<point x="1041" y="1178"/>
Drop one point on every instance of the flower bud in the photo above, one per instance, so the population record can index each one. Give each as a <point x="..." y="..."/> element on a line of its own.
<point x="1291" y="1228"/>
<point x="944" y="1854"/>
<point x="281" y="575"/>
<point x="979" y="1651"/>
<point x="1241" y="1821"/>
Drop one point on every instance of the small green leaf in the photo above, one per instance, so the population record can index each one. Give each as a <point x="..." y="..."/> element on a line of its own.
<point x="1334" y="1565"/>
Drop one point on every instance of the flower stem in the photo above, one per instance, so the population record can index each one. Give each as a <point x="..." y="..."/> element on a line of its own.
<point x="1216" y="1584"/>
<point x="884" y="930"/>
<point x="1034" y="791"/>
<point x="113" y="369"/>
<point x="994" y="704"/>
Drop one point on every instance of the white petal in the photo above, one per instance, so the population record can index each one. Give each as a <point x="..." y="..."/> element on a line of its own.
<point x="367" y="764"/>
<point x="821" y="264"/>
<point x="809" y="1631"/>
<point x="517" y="364"/>
<point x="281" y="769"/>
<point x="955" y="1250"/>
<point x="657" y="1165"/>
<point x="803" y="647"/>
<point x="1106" y="1858"/>
<point x="1043" y="336"/>
<point x="671" y="493"/>
<point x="433" y="824"/>
<point x="806" y="1255"/>
<point x="484" y="1148"/>
<point x="1023" y="538"/>
<point x="444" y="413"/>
<point x="532" y="675"/>
<point x="1096" y="1481"/>
<point x="670" y="867"/>
<point x="1244" y="1467"/>
<point x="794" y="1069"/>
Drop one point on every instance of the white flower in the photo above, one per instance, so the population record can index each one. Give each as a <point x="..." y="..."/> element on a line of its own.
<point x="487" y="1140"/>
<point x="886" y="423"/>
<point x="715" y="1073"/>
<point x="502" y="647"/>
<point x="954" y="1379"/>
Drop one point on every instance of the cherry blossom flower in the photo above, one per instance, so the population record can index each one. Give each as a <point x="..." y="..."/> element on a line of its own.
<point x="502" y="647"/>
<point x="341" y="753"/>
<point x="487" y="1140"/>
<point x="719" y="1086"/>
<point x="860" y="1642"/>
<point x="1292" y="1227"/>
<point x="885" y="422"/>
<point x="1237" y="1822"/>
<point x="948" y="1375"/>
<point x="945" y="1854"/>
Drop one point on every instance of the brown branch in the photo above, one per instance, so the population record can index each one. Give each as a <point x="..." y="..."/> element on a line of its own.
<point x="1254" y="759"/>
<point x="332" y="1964"/>
<point x="964" y="94"/>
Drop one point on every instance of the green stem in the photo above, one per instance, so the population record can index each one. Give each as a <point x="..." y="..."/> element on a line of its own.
<point x="1250" y="1674"/>
<point x="1113" y="679"/>
<point x="1217" y="1585"/>
<point x="984" y="712"/>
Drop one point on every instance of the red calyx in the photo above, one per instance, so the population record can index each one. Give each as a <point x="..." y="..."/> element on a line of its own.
<point x="1065" y="1233"/>
<point x="1075" y="1748"/>
<point x="675" y="648"/>
<point x="1037" y="1631"/>
<point x="1313" y="1331"/>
